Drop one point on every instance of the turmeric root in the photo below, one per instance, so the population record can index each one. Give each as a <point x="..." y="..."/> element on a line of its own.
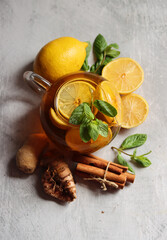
<point x="58" y="180"/>
<point x="28" y="155"/>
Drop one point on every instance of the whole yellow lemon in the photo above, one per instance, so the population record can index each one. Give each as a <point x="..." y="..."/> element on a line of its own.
<point x="59" y="57"/>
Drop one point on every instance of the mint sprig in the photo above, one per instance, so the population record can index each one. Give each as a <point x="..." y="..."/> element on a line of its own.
<point x="132" y="141"/>
<point x="90" y="126"/>
<point x="104" y="53"/>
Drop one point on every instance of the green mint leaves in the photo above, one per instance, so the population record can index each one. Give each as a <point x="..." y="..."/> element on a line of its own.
<point x="103" y="128"/>
<point x="123" y="162"/>
<point x="143" y="161"/>
<point x="132" y="141"/>
<point x="103" y="52"/>
<point x="99" y="46"/>
<point x="91" y="127"/>
<point x="81" y="114"/>
<point x="105" y="108"/>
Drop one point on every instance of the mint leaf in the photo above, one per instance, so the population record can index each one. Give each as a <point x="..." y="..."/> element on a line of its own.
<point x="135" y="140"/>
<point x="95" y="66"/>
<point x="93" y="130"/>
<point x="80" y="114"/>
<point x="99" y="46"/>
<point x="114" y="45"/>
<point x="87" y="112"/>
<point x="112" y="53"/>
<point x="123" y="162"/>
<point x="77" y="115"/>
<point x="84" y="134"/>
<point x="85" y="66"/>
<point x="105" y="108"/>
<point x="103" y="128"/>
<point x="92" y="68"/>
<point x="88" y="49"/>
<point x="144" y="161"/>
<point x="107" y="60"/>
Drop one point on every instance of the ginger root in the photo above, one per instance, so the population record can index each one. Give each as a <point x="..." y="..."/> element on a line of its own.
<point x="28" y="155"/>
<point x="58" y="181"/>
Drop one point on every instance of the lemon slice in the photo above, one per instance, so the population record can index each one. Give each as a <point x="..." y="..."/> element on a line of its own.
<point x="71" y="95"/>
<point x="56" y="120"/>
<point x="107" y="92"/>
<point x="134" y="109"/>
<point x="125" y="73"/>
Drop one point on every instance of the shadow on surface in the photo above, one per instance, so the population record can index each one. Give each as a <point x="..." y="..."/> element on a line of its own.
<point x="123" y="131"/>
<point x="24" y="126"/>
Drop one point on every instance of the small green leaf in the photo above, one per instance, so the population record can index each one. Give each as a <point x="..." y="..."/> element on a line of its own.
<point x="135" y="140"/>
<point x="99" y="46"/>
<point x="96" y="66"/>
<point x="92" y="68"/>
<point x="123" y="162"/>
<point x="77" y="115"/>
<point x="87" y="112"/>
<point x="114" y="45"/>
<point x="105" y="108"/>
<point x="85" y="66"/>
<point x="88" y="49"/>
<point x="112" y="53"/>
<point x="80" y="113"/>
<point x="144" y="161"/>
<point x="107" y="60"/>
<point x="103" y="128"/>
<point x="93" y="130"/>
<point x="84" y="134"/>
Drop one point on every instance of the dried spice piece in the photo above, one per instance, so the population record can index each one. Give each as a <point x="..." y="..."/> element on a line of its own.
<point x="58" y="181"/>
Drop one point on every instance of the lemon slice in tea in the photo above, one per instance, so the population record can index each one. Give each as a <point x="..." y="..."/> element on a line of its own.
<point x="56" y="120"/>
<point x="71" y="95"/>
<point x="107" y="92"/>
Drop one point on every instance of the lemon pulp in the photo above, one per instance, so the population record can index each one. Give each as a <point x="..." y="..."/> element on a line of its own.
<point x="135" y="110"/>
<point x="71" y="95"/>
<point x="125" y="73"/>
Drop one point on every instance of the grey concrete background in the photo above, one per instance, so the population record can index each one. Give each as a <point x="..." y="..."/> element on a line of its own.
<point x="140" y="210"/>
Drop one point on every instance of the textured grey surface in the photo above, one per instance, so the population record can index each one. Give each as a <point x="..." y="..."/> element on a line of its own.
<point x="140" y="210"/>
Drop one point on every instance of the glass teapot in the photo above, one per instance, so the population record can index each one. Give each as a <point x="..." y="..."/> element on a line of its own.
<point x="60" y="99"/>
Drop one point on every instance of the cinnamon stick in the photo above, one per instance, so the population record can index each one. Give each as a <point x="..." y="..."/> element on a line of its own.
<point x="100" y="173"/>
<point x="113" y="164"/>
<point x="85" y="175"/>
<point x="97" y="163"/>
<point x="130" y="177"/>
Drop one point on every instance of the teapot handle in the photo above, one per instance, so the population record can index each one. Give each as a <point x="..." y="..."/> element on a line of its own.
<point x="36" y="82"/>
